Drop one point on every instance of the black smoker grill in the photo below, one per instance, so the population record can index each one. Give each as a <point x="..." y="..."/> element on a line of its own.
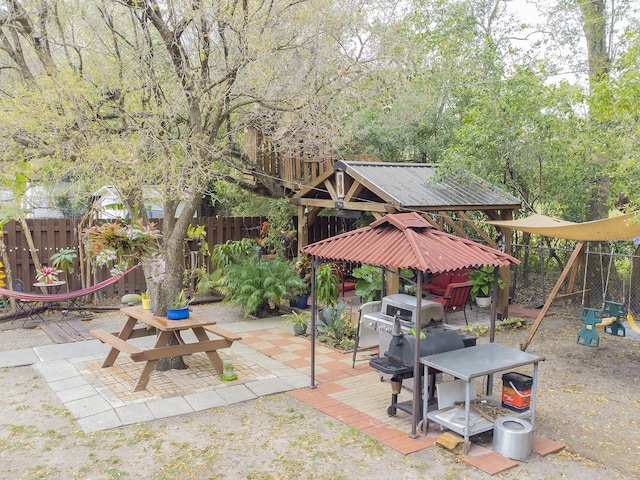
<point x="398" y="360"/>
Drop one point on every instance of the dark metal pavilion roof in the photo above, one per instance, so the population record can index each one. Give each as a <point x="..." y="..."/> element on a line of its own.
<point x="410" y="185"/>
<point x="406" y="240"/>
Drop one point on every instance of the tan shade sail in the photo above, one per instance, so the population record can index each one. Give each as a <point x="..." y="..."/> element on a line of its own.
<point x="624" y="227"/>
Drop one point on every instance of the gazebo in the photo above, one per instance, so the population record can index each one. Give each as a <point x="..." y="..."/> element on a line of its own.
<point x="381" y="188"/>
<point x="404" y="240"/>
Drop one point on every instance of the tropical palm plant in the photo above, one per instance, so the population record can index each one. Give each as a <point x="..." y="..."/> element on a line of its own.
<point x="260" y="288"/>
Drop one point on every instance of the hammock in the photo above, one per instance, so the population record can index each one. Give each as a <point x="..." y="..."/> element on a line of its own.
<point x="29" y="301"/>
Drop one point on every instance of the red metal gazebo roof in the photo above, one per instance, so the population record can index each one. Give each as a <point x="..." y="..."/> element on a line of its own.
<point x="406" y="240"/>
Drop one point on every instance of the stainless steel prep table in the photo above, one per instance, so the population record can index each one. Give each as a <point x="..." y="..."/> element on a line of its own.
<point x="473" y="362"/>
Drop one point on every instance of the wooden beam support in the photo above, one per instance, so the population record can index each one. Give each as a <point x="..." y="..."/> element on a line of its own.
<point x="554" y="292"/>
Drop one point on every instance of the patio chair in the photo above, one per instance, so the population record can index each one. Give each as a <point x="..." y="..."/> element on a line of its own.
<point x="344" y="285"/>
<point x="24" y="306"/>
<point x="455" y="298"/>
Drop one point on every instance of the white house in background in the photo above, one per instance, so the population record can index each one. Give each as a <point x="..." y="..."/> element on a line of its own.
<point x="108" y="203"/>
<point x="38" y="201"/>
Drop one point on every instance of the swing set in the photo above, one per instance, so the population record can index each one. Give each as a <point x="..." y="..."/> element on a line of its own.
<point x="610" y="317"/>
<point x="612" y="314"/>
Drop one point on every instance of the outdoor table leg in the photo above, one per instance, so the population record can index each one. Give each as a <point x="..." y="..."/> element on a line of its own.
<point x="214" y="358"/>
<point x="467" y="413"/>
<point x="150" y="365"/>
<point x="124" y="335"/>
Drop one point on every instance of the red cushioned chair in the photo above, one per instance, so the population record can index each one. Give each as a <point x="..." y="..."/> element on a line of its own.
<point x="455" y="298"/>
<point x="345" y="286"/>
<point x="439" y="283"/>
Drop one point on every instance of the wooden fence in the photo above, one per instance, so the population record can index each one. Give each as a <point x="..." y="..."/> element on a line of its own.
<point x="51" y="235"/>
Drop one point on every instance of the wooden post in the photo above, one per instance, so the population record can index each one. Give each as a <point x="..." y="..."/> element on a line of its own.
<point x="554" y="292"/>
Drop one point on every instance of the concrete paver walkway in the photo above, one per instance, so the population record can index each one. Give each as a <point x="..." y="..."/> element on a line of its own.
<point x="269" y="359"/>
<point x="101" y="399"/>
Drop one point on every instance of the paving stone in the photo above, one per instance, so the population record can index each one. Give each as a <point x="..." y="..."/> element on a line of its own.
<point x="100" y="421"/>
<point x="18" y="358"/>
<point x="297" y="381"/>
<point x="236" y="394"/>
<point x="76" y="393"/>
<point x="169" y="407"/>
<point x="268" y="386"/>
<point x="136" y="413"/>
<point x="56" y="370"/>
<point x="67" y="383"/>
<point x="88" y="406"/>
<point x="204" y="400"/>
<point x="70" y="350"/>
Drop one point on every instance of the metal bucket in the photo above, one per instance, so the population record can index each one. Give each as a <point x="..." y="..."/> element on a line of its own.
<point x="512" y="437"/>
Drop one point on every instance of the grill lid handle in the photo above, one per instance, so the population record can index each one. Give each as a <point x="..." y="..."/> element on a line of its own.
<point x="396" y="331"/>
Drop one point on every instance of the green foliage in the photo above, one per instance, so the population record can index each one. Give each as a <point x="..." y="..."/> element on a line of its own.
<point x="482" y="282"/>
<point x="196" y="232"/>
<point x="209" y="282"/>
<point x="64" y="259"/>
<point x="279" y="231"/>
<point x="303" y="269"/>
<point x="476" y="330"/>
<point x="335" y="326"/>
<point x="297" y="318"/>
<point x="259" y="288"/>
<point x="233" y="252"/>
<point x="369" y="284"/>
<point x="327" y="284"/>
<point x="181" y="300"/>
<point x="121" y="243"/>
<point x="412" y="332"/>
<point x="514" y="323"/>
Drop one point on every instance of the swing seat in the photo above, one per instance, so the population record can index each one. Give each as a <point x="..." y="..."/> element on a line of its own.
<point x="588" y="336"/>
<point x="617" y="310"/>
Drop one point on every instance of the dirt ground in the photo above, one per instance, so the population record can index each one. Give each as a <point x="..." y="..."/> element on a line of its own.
<point x="587" y="400"/>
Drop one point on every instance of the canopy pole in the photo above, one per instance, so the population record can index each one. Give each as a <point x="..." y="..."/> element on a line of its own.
<point x="417" y="386"/>
<point x="314" y="313"/>
<point x="494" y="304"/>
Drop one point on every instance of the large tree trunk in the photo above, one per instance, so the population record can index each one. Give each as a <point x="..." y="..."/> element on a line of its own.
<point x="171" y="363"/>
<point x="594" y="25"/>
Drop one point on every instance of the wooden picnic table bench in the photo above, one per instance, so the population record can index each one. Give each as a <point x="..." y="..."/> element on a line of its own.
<point x="165" y="329"/>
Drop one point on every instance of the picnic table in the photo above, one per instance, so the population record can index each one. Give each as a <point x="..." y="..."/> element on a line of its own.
<point x="164" y="330"/>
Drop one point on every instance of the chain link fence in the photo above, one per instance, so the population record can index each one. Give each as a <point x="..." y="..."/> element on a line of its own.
<point x="603" y="272"/>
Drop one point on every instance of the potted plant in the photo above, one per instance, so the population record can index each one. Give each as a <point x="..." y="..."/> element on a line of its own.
<point x="228" y="372"/>
<point x="48" y="275"/>
<point x="145" y="298"/>
<point x="196" y="239"/>
<point x="64" y="259"/>
<point x="482" y="285"/>
<point x="299" y="321"/>
<point x="179" y="307"/>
